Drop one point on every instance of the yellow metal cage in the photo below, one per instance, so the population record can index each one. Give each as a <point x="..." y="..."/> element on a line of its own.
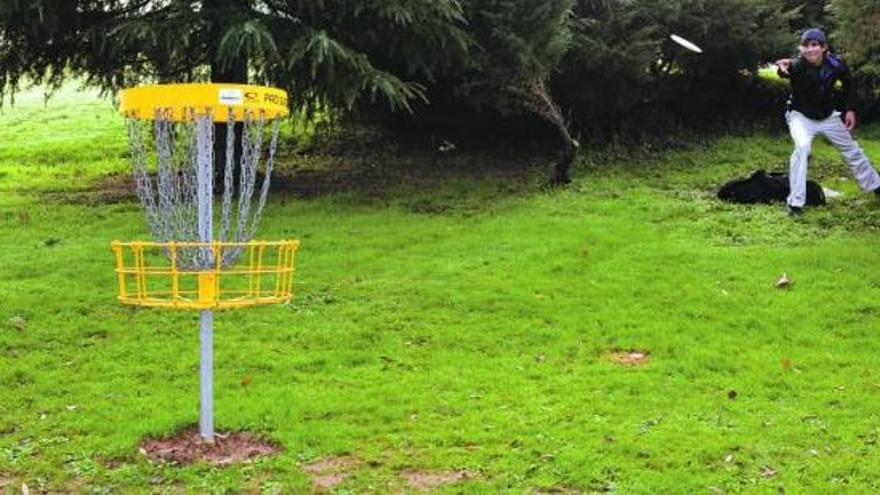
<point x="149" y="274"/>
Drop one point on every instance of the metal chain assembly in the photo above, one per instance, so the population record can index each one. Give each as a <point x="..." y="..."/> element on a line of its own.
<point x="168" y="180"/>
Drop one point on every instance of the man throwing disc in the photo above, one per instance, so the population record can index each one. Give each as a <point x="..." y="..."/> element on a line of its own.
<point x="813" y="75"/>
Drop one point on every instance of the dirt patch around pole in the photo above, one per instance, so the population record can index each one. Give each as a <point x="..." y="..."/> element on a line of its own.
<point x="187" y="447"/>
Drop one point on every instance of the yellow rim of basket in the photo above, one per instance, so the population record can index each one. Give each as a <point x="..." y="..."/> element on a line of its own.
<point x="134" y="273"/>
<point x="179" y="102"/>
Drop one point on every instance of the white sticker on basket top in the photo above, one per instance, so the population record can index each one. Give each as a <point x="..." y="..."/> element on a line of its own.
<point x="230" y="96"/>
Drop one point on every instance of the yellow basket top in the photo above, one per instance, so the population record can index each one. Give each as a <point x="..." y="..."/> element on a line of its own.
<point x="181" y="100"/>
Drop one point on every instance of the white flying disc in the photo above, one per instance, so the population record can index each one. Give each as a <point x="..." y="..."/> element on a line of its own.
<point x="685" y="43"/>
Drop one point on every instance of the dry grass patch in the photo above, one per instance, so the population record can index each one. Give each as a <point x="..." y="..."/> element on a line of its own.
<point x="426" y="480"/>
<point x="330" y="471"/>
<point x="630" y="358"/>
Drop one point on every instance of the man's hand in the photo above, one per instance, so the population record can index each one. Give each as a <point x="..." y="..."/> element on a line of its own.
<point x="849" y="120"/>
<point x="784" y="64"/>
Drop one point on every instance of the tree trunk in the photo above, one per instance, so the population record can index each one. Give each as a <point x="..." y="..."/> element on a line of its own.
<point x="540" y="101"/>
<point x="561" y="168"/>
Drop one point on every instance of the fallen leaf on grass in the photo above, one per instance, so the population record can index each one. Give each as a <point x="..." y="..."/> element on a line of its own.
<point x="644" y="427"/>
<point x="16" y="322"/>
<point x="767" y="472"/>
<point x="783" y="282"/>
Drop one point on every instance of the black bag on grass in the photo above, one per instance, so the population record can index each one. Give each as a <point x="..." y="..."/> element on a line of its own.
<point x="762" y="187"/>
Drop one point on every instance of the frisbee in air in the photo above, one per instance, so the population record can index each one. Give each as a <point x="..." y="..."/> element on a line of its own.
<point x="685" y="43"/>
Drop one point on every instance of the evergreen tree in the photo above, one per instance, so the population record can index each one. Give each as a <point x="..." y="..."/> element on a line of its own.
<point x="809" y="13"/>
<point x="603" y="79"/>
<point x="519" y="44"/>
<point x="858" y="36"/>
<point x="320" y="51"/>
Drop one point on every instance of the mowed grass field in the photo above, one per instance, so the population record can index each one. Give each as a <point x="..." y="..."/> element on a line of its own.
<point x="459" y="327"/>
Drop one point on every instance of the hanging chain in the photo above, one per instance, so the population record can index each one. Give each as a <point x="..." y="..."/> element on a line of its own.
<point x="169" y="197"/>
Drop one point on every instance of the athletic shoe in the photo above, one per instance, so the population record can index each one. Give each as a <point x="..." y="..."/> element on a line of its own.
<point x="795" y="211"/>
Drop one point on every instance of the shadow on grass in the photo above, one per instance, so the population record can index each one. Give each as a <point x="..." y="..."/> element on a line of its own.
<point x="428" y="183"/>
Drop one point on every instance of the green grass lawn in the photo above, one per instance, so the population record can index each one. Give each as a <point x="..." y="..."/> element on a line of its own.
<point x="464" y="326"/>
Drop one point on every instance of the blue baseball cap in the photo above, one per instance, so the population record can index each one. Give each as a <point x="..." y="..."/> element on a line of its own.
<point x="813" y="34"/>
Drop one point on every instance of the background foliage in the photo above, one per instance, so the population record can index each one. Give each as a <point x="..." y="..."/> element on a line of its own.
<point x="480" y="70"/>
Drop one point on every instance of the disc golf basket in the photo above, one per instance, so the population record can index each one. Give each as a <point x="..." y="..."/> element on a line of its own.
<point x="190" y="263"/>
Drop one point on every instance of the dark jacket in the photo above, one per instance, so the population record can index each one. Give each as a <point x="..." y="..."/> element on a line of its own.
<point x="812" y="88"/>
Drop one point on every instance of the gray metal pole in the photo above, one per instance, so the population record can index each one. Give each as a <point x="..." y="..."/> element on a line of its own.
<point x="206" y="376"/>
<point x="205" y="192"/>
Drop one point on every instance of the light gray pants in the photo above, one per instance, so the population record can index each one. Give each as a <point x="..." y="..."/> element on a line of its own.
<point x="803" y="129"/>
